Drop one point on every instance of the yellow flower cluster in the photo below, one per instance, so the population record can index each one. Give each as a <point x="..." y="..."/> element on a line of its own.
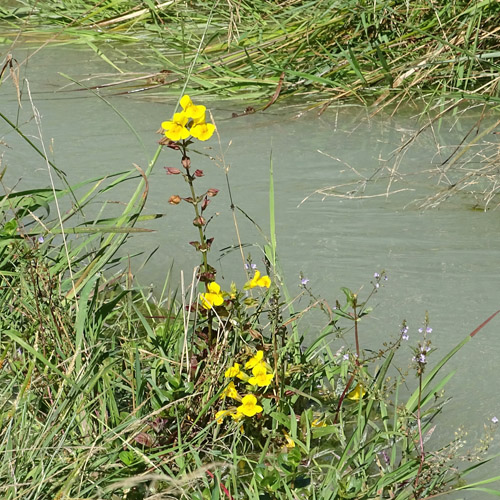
<point x="261" y="377"/>
<point x="215" y="296"/>
<point x="191" y="116"/>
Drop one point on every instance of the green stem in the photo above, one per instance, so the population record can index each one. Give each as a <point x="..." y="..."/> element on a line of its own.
<point x="203" y="242"/>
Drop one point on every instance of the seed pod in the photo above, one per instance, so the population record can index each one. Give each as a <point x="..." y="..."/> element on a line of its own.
<point x="174" y="199"/>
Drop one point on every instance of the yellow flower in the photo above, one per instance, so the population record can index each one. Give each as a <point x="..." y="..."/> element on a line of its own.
<point x="202" y="131"/>
<point x="231" y="392"/>
<point x="290" y="443"/>
<point x="255" y="360"/>
<point x="213" y="297"/>
<point x="192" y="111"/>
<point x="357" y="393"/>
<point x="249" y="406"/>
<point x="175" y="130"/>
<point x="232" y="412"/>
<point x="219" y="416"/>
<point x="237" y="416"/>
<point x="257" y="280"/>
<point x="318" y="423"/>
<point x="235" y="371"/>
<point x="260" y="376"/>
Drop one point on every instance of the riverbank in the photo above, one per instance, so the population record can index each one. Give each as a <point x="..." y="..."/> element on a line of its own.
<point x="387" y="52"/>
<point x="204" y="391"/>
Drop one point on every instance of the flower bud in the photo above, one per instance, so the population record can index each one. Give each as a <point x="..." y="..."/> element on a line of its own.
<point x="174" y="200"/>
<point x="172" y="171"/>
<point x="198" y="173"/>
<point x="186" y="162"/>
<point x="206" y="277"/>
<point x="173" y="145"/>
<point x="204" y="204"/>
<point x="212" y="192"/>
<point x="199" y="221"/>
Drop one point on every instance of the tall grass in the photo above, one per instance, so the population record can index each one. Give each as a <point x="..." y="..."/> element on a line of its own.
<point x="323" y="50"/>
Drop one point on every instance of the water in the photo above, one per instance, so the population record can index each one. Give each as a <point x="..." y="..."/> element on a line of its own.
<point x="442" y="260"/>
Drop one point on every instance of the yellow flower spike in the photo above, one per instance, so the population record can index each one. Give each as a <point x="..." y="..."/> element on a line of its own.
<point x="214" y="296"/>
<point x="192" y="111"/>
<point x="357" y="393"/>
<point x="175" y="130"/>
<point x="231" y="392"/>
<point x="260" y="376"/>
<point x="249" y="406"/>
<point x="255" y="360"/>
<point x="258" y="280"/>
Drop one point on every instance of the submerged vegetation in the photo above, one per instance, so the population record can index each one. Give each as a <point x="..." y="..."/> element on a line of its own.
<point x="382" y="50"/>
<point x="208" y="392"/>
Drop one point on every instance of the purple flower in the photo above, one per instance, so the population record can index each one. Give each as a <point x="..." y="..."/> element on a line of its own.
<point x="346" y="356"/>
<point x="376" y="275"/>
<point x="428" y="330"/>
<point x="420" y="330"/>
<point x="40" y="239"/>
<point x="250" y="266"/>
<point x="420" y="358"/>
<point x="304" y="281"/>
<point x="494" y="420"/>
<point x="404" y="332"/>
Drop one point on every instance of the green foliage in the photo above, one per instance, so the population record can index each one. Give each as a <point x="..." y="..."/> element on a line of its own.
<point x="108" y="394"/>
<point x="251" y="49"/>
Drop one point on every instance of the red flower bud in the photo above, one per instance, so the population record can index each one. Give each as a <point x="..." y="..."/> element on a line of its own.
<point x="171" y="144"/>
<point x="172" y="171"/>
<point x="212" y="192"/>
<point x="205" y="203"/>
<point x="186" y="162"/>
<point x="199" y="222"/>
<point x="198" y="173"/>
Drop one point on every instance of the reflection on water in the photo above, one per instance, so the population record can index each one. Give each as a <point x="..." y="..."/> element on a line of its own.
<point x="444" y="260"/>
